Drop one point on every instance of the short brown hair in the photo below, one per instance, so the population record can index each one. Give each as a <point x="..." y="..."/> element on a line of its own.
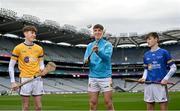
<point x="29" y="28"/>
<point x="152" y="34"/>
<point x="98" y="26"/>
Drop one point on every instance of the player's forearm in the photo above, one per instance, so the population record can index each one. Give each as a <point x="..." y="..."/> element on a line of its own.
<point x="105" y="54"/>
<point x="42" y="65"/>
<point x="172" y="70"/>
<point x="11" y="70"/>
<point x="145" y="74"/>
<point x="86" y="55"/>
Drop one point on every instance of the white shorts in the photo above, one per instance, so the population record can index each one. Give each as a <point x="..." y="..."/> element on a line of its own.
<point x="34" y="88"/>
<point x="103" y="85"/>
<point x="155" y="93"/>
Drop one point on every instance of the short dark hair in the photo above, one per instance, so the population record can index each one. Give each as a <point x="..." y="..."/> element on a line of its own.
<point x="152" y="34"/>
<point x="98" y="26"/>
<point x="29" y="28"/>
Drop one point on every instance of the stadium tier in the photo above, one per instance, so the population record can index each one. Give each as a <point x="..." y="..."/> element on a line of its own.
<point x="70" y="85"/>
<point x="71" y="75"/>
<point x="75" y="54"/>
<point x="125" y="61"/>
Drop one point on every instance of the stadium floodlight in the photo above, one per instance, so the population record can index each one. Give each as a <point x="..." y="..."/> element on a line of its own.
<point x="70" y="28"/>
<point x="52" y="24"/>
<point x="8" y="13"/>
<point x="89" y="26"/>
<point x="31" y="19"/>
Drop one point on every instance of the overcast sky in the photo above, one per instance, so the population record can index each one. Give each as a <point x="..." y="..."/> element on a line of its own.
<point x="118" y="16"/>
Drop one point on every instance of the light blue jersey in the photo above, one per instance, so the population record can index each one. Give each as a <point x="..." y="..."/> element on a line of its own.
<point x="157" y="63"/>
<point x="100" y="62"/>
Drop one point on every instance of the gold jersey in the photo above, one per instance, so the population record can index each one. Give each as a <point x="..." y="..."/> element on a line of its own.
<point x="29" y="57"/>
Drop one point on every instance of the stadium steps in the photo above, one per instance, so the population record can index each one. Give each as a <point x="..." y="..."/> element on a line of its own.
<point x="126" y="86"/>
<point x="70" y="84"/>
<point x="61" y="85"/>
<point x="48" y="87"/>
<point x="176" y="83"/>
<point x="5" y="81"/>
<point x="51" y="84"/>
<point x="131" y="89"/>
<point x="176" y="87"/>
<point x="79" y="86"/>
<point x="118" y="83"/>
<point x="138" y="87"/>
<point x="3" y="87"/>
<point x="80" y="82"/>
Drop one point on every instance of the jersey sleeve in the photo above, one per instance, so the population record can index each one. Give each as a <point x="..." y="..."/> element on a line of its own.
<point x="168" y="58"/>
<point x="41" y="54"/>
<point x="106" y="53"/>
<point x="86" y="55"/>
<point x="15" y="53"/>
<point x="145" y="64"/>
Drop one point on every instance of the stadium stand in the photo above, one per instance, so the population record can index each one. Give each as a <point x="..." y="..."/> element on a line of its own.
<point x="71" y="75"/>
<point x="74" y="54"/>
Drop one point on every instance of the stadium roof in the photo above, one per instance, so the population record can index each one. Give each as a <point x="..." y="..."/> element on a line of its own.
<point x="50" y="30"/>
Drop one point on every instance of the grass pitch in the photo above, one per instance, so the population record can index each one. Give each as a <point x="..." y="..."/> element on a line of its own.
<point x="122" y="101"/>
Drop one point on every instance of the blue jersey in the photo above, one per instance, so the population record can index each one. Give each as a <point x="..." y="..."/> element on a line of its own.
<point x="100" y="62"/>
<point x="157" y="63"/>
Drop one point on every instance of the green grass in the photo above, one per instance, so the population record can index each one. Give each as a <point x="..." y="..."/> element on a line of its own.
<point x="122" y="101"/>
